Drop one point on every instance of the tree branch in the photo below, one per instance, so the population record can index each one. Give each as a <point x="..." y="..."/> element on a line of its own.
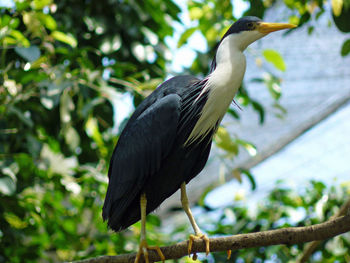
<point x="310" y="248"/>
<point x="289" y="236"/>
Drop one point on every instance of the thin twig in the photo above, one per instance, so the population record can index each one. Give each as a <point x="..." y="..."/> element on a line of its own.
<point x="291" y="235"/>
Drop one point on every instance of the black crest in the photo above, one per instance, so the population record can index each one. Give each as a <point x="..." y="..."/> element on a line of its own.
<point x="247" y="23"/>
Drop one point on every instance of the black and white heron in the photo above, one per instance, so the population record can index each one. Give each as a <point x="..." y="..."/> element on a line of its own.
<point x="167" y="140"/>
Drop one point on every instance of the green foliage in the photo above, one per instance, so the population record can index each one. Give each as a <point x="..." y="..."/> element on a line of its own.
<point x="231" y="146"/>
<point x="63" y="66"/>
<point x="185" y="36"/>
<point x="223" y="140"/>
<point x="60" y="66"/>
<point x="345" y="50"/>
<point x="275" y="58"/>
<point x="283" y="207"/>
<point x="341" y="13"/>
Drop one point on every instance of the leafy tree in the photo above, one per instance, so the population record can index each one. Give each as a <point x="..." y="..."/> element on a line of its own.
<point x="63" y="65"/>
<point x="283" y="207"/>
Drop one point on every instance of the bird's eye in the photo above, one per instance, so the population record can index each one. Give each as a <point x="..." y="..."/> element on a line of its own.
<point x="250" y="25"/>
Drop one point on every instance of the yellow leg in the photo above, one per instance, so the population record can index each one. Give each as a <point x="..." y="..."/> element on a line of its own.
<point x="143" y="247"/>
<point x="197" y="232"/>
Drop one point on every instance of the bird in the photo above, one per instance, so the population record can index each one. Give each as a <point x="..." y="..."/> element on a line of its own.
<point x="167" y="140"/>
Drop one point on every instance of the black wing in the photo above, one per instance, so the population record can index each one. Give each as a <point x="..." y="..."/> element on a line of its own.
<point x="143" y="144"/>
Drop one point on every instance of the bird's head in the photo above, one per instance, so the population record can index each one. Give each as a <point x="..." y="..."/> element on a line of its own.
<point x="248" y="29"/>
<point x="240" y="35"/>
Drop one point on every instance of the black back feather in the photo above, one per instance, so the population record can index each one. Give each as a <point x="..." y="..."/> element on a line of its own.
<point x="150" y="155"/>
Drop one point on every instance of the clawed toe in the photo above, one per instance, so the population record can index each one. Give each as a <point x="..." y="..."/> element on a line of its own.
<point x="143" y="249"/>
<point x="198" y="236"/>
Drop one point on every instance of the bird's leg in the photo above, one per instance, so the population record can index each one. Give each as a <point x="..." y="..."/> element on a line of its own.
<point x="143" y="242"/>
<point x="197" y="233"/>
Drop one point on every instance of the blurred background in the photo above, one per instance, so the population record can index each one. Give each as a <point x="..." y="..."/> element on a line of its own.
<point x="72" y="72"/>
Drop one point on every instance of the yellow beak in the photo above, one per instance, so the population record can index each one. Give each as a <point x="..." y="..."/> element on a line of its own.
<point x="266" y="28"/>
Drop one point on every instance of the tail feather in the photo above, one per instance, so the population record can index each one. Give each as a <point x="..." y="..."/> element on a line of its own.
<point x="121" y="213"/>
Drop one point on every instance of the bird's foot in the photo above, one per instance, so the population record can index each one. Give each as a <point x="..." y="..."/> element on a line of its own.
<point x="198" y="236"/>
<point x="143" y="249"/>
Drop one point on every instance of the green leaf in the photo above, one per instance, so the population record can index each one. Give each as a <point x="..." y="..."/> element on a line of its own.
<point x="273" y="85"/>
<point x="345" y="49"/>
<point x="60" y="36"/>
<point x="242" y="99"/>
<point x="275" y="58"/>
<point x="251" y="149"/>
<point x="21" y="39"/>
<point x="275" y="90"/>
<point x="153" y="219"/>
<point x="257" y="80"/>
<point x="14" y="22"/>
<point x="224" y="141"/>
<point x="185" y="36"/>
<point x="40" y="4"/>
<point x="69" y="226"/>
<point x="196" y="13"/>
<point x="250" y="177"/>
<point x="48" y="21"/>
<point x="92" y="130"/>
<point x="280" y="108"/>
<point x="310" y="29"/>
<point x="21" y="5"/>
<point x="5" y="20"/>
<point x="30" y="54"/>
<point x="294" y="20"/>
<point x="233" y="113"/>
<point x="211" y="34"/>
<point x="337" y="6"/>
<point x="15" y="221"/>
<point x="260" y="109"/>
<point x="341" y="20"/>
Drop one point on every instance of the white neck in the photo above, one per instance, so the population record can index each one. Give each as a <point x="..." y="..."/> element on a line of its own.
<point x="223" y="84"/>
